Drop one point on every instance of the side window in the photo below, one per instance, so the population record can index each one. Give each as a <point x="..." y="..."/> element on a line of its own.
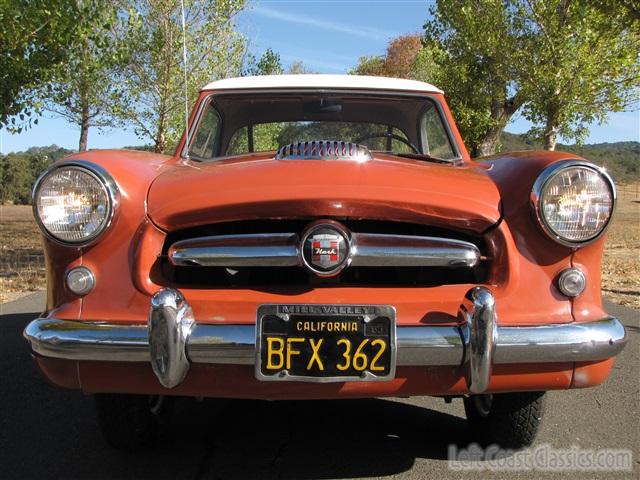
<point x="435" y="140"/>
<point x="206" y="137"/>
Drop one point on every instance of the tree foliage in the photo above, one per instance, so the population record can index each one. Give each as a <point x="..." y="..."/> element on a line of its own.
<point x="267" y="64"/>
<point x="478" y="55"/>
<point x="34" y="45"/>
<point x="565" y="63"/>
<point x="155" y="77"/>
<point x="18" y="171"/>
<point x="398" y="60"/>
<point x="584" y="64"/>
<point x="298" y="67"/>
<point x="88" y="93"/>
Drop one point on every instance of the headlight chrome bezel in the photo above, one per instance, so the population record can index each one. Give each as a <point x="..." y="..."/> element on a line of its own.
<point x="536" y="200"/>
<point x="104" y="179"/>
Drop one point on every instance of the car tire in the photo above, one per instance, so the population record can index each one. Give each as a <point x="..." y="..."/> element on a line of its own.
<point x="510" y="420"/>
<point x="131" y="422"/>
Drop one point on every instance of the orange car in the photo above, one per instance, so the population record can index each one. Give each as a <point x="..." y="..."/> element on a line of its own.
<point x="323" y="237"/>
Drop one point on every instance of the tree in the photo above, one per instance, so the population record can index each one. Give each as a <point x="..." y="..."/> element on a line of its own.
<point x="401" y="55"/>
<point x="584" y="64"/>
<point x="565" y="63"/>
<point x="397" y="61"/>
<point x="369" y="66"/>
<point x="34" y="40"/>
<point x="479" y="54"/>
<point x="298" y="67"/>
<point x="269" y="64"/>
<point x="156" y="76"/>
<point x="88" y="92"/>
<point x="18" y="172"/>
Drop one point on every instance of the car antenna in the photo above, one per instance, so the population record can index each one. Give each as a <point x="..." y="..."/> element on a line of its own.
<point x="184" y="66"/>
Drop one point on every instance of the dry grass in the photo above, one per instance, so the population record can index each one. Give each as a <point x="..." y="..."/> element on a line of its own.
<point x="621" y="265"/>
<point x="22" y="269"/>
<point x="21" y="257"/>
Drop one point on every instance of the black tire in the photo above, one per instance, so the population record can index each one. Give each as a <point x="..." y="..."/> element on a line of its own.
<point x="131" y="422"/>
<point x="510" y="420"/>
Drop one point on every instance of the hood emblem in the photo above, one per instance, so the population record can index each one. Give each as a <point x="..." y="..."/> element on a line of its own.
<point x="326" y="248"/>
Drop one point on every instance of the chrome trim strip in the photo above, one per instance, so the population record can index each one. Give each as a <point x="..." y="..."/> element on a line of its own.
<point x="427" y="345"/>
<point x="380" y="250"/>
<point x="263" y="250"/>
<point x="223" y="344"/>
<point x="73" y="340"/>
<point x="570" y="342"/>
<point x="283" y="250"/>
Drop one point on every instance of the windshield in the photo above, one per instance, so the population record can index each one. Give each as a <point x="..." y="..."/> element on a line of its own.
<point x="238" y="124"/>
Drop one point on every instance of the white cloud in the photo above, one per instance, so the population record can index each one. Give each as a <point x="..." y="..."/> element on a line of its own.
<point x="324" y="23"/>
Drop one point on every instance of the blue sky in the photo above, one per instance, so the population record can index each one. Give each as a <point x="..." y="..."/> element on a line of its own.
<point x="328" y="36"/>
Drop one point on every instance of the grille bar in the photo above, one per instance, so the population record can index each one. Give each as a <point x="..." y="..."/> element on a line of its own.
<point x="379" y="250"/>
<point x="254" y="250"/>
<point x="283" y="250"/>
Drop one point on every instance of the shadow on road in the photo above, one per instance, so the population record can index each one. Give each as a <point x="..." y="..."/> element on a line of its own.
<point x="46" y="432"/>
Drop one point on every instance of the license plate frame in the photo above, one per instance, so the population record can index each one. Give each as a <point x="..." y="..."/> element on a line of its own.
<point x="328" y="312"/>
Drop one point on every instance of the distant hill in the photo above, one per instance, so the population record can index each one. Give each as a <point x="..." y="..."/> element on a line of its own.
<point x="52" y="152"/>
<point x="621" y="159"/>
<point x="18" y="171"/>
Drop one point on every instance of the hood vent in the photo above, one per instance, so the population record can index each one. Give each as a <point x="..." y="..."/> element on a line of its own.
<point x="324" y="150"/>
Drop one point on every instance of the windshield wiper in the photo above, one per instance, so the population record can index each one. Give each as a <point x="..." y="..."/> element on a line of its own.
<point x="429" y="158"/>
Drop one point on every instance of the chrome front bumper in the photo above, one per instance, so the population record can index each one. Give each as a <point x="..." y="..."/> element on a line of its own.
<point x="172" y="340"/>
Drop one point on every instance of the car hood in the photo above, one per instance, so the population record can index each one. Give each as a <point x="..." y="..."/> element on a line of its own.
<point x="387" y="187"/>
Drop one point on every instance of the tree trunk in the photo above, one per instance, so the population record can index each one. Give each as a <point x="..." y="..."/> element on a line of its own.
<point x="84" y="126"/>
<point x="489" y="144"/>
<point x="501" y="111"/>
<point x="551" y="134"/>
<point x="160" y="140"/>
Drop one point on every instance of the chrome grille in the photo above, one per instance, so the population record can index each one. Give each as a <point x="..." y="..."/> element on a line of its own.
<point x="282" y="250"/>
<point x="265" y="254"/>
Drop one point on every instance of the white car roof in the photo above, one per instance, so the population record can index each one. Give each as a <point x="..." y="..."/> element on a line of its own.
<point x="321" y="81"/>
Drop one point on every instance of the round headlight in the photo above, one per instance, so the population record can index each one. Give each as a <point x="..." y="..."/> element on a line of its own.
<point x="74" y="202"/>
<point x="574" y="202"/>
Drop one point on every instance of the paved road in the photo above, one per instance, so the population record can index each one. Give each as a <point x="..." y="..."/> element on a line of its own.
<point x="50" y="433"/>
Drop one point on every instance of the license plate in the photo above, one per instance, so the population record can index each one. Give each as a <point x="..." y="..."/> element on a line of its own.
<point x="325" y="343"/>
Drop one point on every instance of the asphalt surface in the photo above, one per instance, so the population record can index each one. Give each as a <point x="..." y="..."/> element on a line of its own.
<point x="46" y="432"/>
